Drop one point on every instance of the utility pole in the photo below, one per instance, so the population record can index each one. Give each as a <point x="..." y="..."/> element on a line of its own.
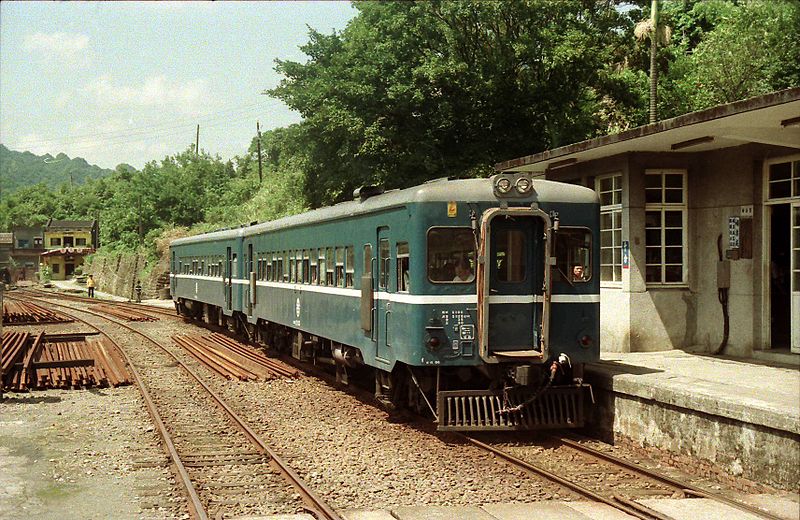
<point x="258" y="130"/>
<point x="197" y="141"/>
<point x="141" y="227"/>
<point x="653" y="61"/>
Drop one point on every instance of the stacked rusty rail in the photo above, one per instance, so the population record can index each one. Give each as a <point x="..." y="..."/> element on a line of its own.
<point x="232" y="359"/>
<point x="24" y="313"/>
<point x="125" y="313"/>
<point x="59" y="361"/>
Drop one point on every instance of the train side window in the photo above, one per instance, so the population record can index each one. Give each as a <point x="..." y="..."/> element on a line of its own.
<point x="313" y="263"/>
<point x="235" y="269"/>
<point x="368" y="260"/>
<point x="383" y="264"/>
<point x="350" y="266"/>
<point x="403" y="281"/>
<point x="339" y="274"/>
<point x="329" y="271"/>
<point x="573" y="253"/>
<point x="451" y="255"/>
<point x="322" y="269"/>
<point x="306" y="267"/>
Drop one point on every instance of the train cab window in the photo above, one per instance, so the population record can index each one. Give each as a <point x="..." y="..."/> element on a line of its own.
<point x="339" y="273"/>
<point x="403" y="280"/>
<point x="451" y="255"/>
<point x="509" y="254"/>
<point x="350" y="266"/>
<point x="313" y="258"/>
<point x="573" y="255"/>
<point x="329" y="271"/>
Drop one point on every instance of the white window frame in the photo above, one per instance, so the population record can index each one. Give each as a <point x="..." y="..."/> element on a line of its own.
<point x="669" y="206"/>
<point x="610" y="209"/>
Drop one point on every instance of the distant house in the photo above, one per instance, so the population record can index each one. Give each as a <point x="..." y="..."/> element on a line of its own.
<point x="6" y="246"/>
<point x="28" y="245"/>
<point x="66" y="243"/>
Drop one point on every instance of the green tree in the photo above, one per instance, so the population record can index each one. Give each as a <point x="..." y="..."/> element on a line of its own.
<point x="414" y="90"/>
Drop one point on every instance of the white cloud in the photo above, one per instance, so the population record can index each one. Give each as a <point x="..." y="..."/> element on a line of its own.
<point x="155" y="91"/>
<point x="60" y="46"/>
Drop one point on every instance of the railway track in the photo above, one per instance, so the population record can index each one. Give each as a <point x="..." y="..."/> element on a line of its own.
<point x="623" y="481"/>
<point x="588" y="470"/>
<point x="225" y="468"/>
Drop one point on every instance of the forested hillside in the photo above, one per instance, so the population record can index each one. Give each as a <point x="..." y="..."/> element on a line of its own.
<point x="19" y="169"/>
<point x="416" y="90"/>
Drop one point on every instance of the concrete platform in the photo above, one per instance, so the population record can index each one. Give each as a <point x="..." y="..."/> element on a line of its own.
<point x="685" y="509"/>
<point x="743" y="417"/>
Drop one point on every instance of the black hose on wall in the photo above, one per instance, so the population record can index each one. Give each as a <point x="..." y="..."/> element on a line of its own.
<point x="722" y="295"/>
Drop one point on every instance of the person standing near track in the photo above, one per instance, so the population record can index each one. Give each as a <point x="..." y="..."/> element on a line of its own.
<point x="90" y="286"/>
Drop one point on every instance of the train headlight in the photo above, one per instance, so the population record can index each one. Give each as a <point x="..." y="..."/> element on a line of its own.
<point x="503" y="185"/>
<point x="524" y="185"/>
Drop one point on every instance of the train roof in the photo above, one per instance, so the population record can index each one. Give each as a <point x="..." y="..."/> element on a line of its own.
<point x="439" y="190"/>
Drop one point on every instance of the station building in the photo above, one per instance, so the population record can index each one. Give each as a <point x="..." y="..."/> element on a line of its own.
<point x="700" y="217"/>
<point x="67" y="243"/>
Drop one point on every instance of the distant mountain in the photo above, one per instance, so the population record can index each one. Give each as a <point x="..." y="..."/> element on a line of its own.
<point x="18" y="169"/>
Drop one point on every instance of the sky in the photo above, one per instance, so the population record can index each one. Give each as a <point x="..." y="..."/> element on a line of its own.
<point x="128" y="82"/>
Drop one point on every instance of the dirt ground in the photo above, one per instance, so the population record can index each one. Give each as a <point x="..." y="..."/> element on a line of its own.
<point x="82" y="454"/>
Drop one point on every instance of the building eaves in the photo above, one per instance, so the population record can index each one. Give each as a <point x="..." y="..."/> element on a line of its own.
<point x="713" y="128"/>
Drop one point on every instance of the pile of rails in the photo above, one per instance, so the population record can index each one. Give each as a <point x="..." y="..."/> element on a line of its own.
<point x="125" y="313"/>
<point x="232" y="359"/>
<point x="23" y="313"/>
<point x="59" y="361"/>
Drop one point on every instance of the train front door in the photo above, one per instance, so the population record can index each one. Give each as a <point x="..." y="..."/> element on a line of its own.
<point x="514" y="277"/>
<point x="383" y="307"/>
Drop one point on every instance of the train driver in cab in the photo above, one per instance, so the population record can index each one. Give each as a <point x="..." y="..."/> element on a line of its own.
<point x="463" y="271"/>
<point x="578" y="273"/>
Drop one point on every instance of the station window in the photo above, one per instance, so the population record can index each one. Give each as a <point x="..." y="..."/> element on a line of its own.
<point x="449" y="247"/>
<point x="329" y="271"/>
<point x="55" y="241"/>
<point x="350" y="266"/>
<point x="56" y="268"/>
<point x="609" y="187"/>
<point x="665" y="221"/>
<point x="573" y="253"/>
<point x="80" y="242"/>
<point x="403" y="280"/>
<point x="313" y="259"/>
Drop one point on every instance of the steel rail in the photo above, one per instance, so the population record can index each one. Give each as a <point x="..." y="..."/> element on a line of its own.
<point x="196" y="506"/>
<point x="665" y="479"/>
<point x="318" y="505"/>
<point x="577" y="488"/>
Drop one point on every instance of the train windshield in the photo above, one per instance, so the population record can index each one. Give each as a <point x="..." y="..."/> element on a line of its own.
<point x="574" y="254"/>
<point x="451" y="255"/>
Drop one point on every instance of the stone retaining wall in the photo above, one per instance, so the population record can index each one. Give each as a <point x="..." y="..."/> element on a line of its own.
<point x="117" y="274"/>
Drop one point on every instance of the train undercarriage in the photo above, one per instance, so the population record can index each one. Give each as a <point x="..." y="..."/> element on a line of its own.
<point x="484" y="398"/>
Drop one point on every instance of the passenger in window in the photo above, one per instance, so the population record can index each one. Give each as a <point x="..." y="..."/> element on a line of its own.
<point x="578" y="273"/>
<point x="463" y="272"/>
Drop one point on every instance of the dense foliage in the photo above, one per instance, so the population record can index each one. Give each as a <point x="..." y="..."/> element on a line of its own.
<point x="410" y="91"/>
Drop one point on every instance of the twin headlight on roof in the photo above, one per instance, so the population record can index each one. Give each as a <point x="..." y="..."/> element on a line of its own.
<point x="512" y="185"/>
